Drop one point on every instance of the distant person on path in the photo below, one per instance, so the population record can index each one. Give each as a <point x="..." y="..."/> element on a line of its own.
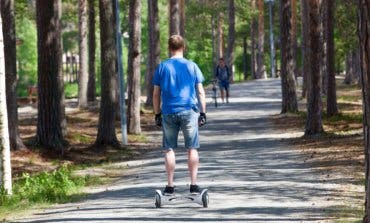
<point x="223" y="77"/>
<point x="177" y="83"/>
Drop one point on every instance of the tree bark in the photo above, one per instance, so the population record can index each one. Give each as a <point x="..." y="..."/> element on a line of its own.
<point x="10" y="52"/>
<point x="109" y="85"/>
<point x="5" y="167"/>
<point x="51" y="115"/>
<point x="364" y="39"/>
<point x="331" y="107"/>
<point x="289" y="96"/>
<point x="324" y="56"/>
<point x="231" y="37"/>
<point x="305" y="48"/>
<point x="91" y="88"/>
<point x="182" y="18"/>
<point x="83" y="54"/>
<point x="220" y="35"/>
<point x="261" y="72"/>
<point x="154" y="48"/>
<point x="294" y="37"/>
<point x="133" y="70"/>
<point x="314" y="105"/>
<point x="174" y="8"/>
<point x="253" y="41"/>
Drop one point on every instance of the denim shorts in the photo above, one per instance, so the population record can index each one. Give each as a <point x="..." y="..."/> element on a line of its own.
<point x="224" y="85"/>
<point x="187" y="121"/>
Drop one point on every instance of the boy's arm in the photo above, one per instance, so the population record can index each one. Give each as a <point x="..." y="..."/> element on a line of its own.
<point x="202" y="97"/>
<point x="157" y="99"/>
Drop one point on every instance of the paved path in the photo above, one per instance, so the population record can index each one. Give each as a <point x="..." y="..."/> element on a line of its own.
<point x="251" y="174"/>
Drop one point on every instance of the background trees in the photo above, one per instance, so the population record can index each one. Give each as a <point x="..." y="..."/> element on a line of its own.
<point x="106" y="128"/>
<point x="10" y="52"/>
<point x="51" y="115"/>
<point x="5" y="168"/>
<point x="133" y="69"/>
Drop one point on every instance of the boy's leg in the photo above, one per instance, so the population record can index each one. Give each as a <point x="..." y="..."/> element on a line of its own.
<point x="170" y="162"/>
<point x="222" y="94"/>
<point x="193" y="164"/>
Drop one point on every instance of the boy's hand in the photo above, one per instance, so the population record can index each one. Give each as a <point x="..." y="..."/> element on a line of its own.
<point x="158" y="119"/>
<point x="202" y="119"/>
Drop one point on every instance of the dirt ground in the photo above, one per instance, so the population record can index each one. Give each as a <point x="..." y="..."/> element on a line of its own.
<point x="82" y="131"/>
<point x="338" y="153"/>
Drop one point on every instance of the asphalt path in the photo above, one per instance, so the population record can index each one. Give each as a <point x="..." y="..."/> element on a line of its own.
<point x="252" y="175"/>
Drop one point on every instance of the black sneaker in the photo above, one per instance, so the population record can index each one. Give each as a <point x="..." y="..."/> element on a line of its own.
<point x="195" y="189"/>
<point x="168" y="190"/>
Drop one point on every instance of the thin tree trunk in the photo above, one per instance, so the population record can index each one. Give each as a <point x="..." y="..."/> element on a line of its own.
<point x="109" y="85"/>
<point x="332" y="107"/>
<point x="174" y="8"/>
<point x="305" y="47"/>
<point x="83" y="54"/>
<point x="220" y="36"/>
<point x="364" y="39"/>
<point x="314" y="105"/>
<point x="182" y="18"/>
<point x="324" y="56"/>
<point x="261" y="72"/>
<point x="133" y="70"/>
<point x="289" y="96"/>
<point x="91" y="88"/>
<point x="5" y="167"/>
<point x="294" y="37"/>
<point x="7" y="14"/>
<point x="231" y="37"/>
<point x="154" y="48"/>
<point x="51" y="116"/>
<point x="245" y="68"/>
<point x="253" y="41"/>
<point x="214" y="38"/>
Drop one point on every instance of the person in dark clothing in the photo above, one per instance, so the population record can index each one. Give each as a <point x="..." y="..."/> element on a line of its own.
<point x="222" y="75"/>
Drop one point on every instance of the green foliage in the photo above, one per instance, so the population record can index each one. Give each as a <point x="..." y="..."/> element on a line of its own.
<point x="46" y="187"/>
<point x="26" y="54"/>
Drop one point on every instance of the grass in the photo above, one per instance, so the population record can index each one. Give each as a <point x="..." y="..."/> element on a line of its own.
<point x="57" y="186"/>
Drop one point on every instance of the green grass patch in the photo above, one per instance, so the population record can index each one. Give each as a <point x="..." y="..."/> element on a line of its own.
<point x="71" y="90"/>
<point x="348" y="117"/>
<point x="138" y="138"/>
<point x="348" y="98"/>
<point x="58" y="186"/>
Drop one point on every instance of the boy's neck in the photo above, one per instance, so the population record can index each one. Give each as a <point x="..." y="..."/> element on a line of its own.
<point x="177" y="54"/>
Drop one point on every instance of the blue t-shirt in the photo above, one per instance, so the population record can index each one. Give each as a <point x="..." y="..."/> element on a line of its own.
<point x="177" y="78"/>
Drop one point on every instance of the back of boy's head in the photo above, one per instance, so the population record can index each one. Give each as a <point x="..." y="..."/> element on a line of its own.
<point x="176" y="42"/>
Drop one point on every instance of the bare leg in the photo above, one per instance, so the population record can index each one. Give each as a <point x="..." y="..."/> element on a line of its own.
<point x="227" y="95"/>
<point x="170" y="162"/>
<point x="193" y="163"/>
<point x="222" y="94"/>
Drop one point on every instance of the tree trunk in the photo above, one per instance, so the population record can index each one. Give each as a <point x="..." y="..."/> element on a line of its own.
<point x="5" y="167"/>
<point x="83" y="79"/>
<point x="51" y="115"/>
<point x="314" y="104"/>
<point x="364" y="39"/>
<point x="133" y="70"/>
<point x="261" y="72"/>
<point x="214" y="38"/>
<point x="220" y="36"/>
<point x="174" y="8"/>
<point x="231" y="38"/>
<point x="109" y="85"/>
<point x="289" y="96"/>
<point x="294" y="37"/>
<point x="332" y="107"/>
<point x="154" y="48"/>
<point x="91" y="87"/>
<point x="7" y="14"/>
<point x="324" y="56"/>
<point x="253" y="41"/>
<point x="182" y="18"/>
<point x="245" y="68"/>
<point x="305" y="48"/>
